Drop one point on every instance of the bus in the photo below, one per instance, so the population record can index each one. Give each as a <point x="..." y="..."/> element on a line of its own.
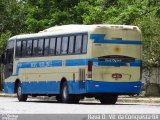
<point x="72" y="62"/>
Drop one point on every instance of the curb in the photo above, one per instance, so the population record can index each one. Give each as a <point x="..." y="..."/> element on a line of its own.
<point x="139" y="100"/>
<point x="7" y="95"/>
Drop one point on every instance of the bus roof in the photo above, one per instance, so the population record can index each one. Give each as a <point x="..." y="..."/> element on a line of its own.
<point x="73" y="28"/>
<point x="86" y="27"/>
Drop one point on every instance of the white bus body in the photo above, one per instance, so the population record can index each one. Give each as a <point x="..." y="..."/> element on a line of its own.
<point x="75" y="61"/>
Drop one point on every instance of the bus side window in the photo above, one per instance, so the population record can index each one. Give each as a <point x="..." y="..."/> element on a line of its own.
<point x="58" y="46"/>
<point x="78" y="45"/>
<point x="35" y="47"/>
<point x="64" y="45"/>
<point x="29" y="47"/>
<point x="24" y="45"/>
<point x="18" y="49"/>
<point x="46" y="46"/>
<point x="84" y="45"/>
<point x="10" y="52"/>
<point x="40" y="46"/>
<point x="71" y="45"/>
<point x="52" y="46"/>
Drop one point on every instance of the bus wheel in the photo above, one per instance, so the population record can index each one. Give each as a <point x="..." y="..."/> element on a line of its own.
<point x="112" y="99"/>
<point x="20" y="95"/>
<point x="65" y="97"/>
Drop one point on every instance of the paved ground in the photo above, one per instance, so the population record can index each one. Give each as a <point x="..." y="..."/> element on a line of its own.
<point x="122" y="99"/>
<point x="11" y="105"/>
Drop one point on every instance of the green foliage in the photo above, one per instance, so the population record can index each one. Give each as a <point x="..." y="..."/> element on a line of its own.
<point x="12" y="15"/>
<point x="149" y="23"/>
<point x="27" y="16"/>
<point x="43" y="14"/>
<point x="3" y="40"/>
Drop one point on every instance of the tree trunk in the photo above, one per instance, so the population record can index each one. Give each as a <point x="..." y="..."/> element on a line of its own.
<point x="1" y="77"/>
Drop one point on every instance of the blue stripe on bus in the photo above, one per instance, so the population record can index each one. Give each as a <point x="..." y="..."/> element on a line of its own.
<point x="38" y="64"/>
<point x="77" y="62"/>
<point x="114" y="87"/>
<point x="99" y="38"/>
<point x="96" y="62"/>
<point x="8" y="87"/>
<point x="90" y="86"/>
<point x="41" y="87"/>
<point x="72" y="62"/>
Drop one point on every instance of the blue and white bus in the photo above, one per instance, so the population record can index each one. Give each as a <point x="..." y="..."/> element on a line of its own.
<point x="75" y="61"/>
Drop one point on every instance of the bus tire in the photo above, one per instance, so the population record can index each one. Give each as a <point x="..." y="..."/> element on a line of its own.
<point x="21" y="97"/>
<point x="111" y="99"/>
<point x="65" y="98"/>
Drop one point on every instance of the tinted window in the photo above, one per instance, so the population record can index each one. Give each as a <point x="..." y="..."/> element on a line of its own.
<point x="58" y="45"/>
<point x="18" y="48"/>
<point x="71" y="45"/>
<point x="35" y="47"/>
<point x="29" y="47"/>
<point x="40" y="46"/>
<point x="85" y="41"/>
<point x="10" y="44"/>
<point x="52" y="46"/>
<point x="10" y="51"/>
<point x="46" y="46"/>
<point x="24" y="46"/>
<point x="64" y="45"/>
<point x="78" y="44"/>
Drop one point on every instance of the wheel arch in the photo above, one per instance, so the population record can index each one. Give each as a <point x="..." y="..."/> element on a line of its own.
<point x="62" y="81"/>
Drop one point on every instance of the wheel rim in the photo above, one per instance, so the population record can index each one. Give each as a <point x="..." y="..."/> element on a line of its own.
<point x="19" y="91"/>
<point x="65" y="92"/>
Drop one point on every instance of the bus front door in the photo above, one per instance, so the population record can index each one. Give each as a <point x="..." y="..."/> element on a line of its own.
<point x="8" y="63"/>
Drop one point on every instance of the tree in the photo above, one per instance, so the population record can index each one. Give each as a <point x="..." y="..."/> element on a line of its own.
<point x="12" y="15"/>
<point x="44" y="14"/>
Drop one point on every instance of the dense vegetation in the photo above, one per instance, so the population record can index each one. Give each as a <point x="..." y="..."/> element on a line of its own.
<point x="27" y="16"/>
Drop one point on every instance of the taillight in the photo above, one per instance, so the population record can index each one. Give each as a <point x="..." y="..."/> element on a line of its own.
<point x="116" y="75"/>
<point x="89" y="69"/>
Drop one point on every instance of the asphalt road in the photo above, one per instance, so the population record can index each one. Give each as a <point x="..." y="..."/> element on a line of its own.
<point x="10" y="105"/>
